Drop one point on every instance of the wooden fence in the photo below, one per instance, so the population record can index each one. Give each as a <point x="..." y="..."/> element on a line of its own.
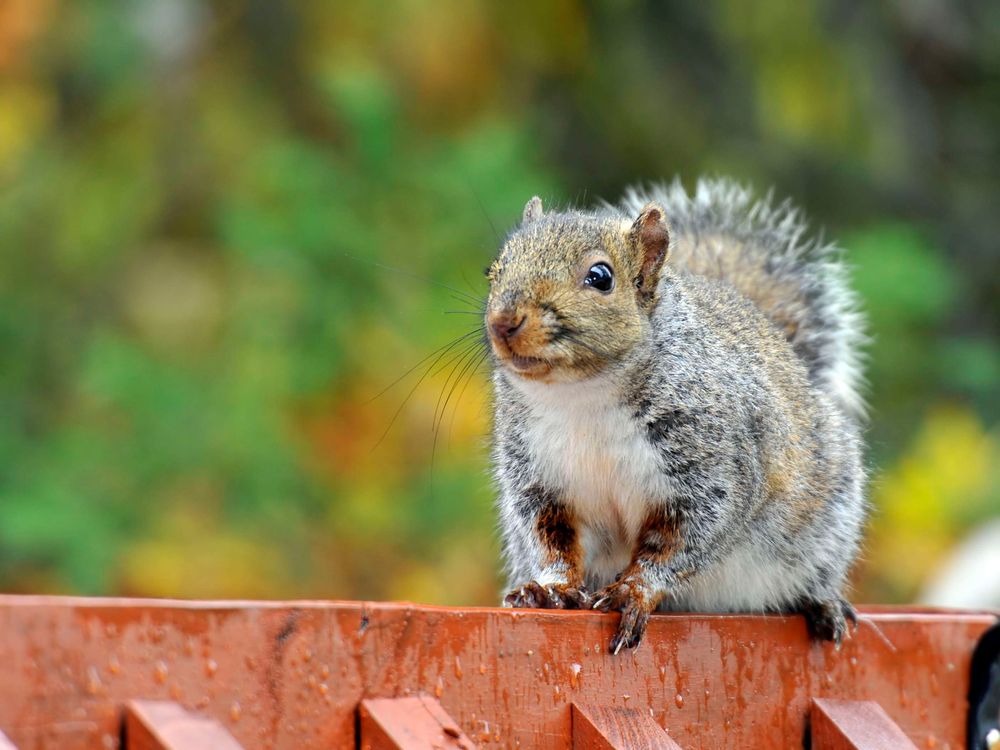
<point x="116" y="673"/>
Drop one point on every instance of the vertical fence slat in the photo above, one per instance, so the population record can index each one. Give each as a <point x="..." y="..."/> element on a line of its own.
<point x="164" y="725"/>
<point x="611" y="728"/>
<point x="409" y="724"/>
<point x="855" y="725"/>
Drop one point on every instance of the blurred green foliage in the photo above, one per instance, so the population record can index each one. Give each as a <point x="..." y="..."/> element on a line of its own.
<point x="226" y="227"/>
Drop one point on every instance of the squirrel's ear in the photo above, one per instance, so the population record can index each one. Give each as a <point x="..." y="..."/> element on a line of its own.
<point x="650" y="236"/>
<point x="532" y="210"/>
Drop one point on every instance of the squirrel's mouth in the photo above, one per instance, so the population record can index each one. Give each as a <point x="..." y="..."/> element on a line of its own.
<point x="526" y="364"/>
<point x="515" y="338"/>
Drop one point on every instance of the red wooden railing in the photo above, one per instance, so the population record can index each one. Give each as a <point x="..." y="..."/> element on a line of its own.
<point x="107" y="673"/>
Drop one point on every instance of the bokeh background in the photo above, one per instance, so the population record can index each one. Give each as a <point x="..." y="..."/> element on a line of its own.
<point x="226" y="228"/>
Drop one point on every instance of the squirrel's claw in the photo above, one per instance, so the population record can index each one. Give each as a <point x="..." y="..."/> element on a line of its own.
<point x="631" y="628"/>
<point x="828" y="621"/>
<point x="534" y="595"/>
<point x="616" y="597"/>
<point x="849" y="613"/>
<point x="626" y="596"/>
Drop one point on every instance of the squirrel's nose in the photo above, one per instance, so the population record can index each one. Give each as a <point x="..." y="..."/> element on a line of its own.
<point x="505" y="325"/>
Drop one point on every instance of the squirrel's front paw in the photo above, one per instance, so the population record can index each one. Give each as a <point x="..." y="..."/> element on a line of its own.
<point x="629" y="597"/>
<point x="534" y="595"/>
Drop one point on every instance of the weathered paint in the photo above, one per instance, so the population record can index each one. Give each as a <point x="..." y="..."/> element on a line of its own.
<point x="292" y="674"/>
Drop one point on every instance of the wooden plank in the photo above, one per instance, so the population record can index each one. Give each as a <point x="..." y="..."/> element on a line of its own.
<point x="417" y="723"/>
<point x="5" y="743"/>
<point x="290" y="675"/>
<point x="613" y="728"/>
<point x="165" y="725"/>
<point x="855" y="725"/>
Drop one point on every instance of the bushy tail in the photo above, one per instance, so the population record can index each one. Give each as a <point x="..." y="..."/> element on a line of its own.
<point x="763" y="250"/>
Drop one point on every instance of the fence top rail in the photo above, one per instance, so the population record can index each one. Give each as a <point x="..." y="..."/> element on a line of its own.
<point x="881" y="612"/>
<point x="292" y="674"/>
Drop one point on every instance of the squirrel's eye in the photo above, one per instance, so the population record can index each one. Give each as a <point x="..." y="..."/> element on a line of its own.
<point x="600" y="277"/>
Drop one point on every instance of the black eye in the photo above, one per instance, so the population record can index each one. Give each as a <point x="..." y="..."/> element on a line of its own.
<point x="600" y="277"/>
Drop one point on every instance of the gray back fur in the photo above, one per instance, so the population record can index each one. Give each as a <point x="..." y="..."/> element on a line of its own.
<point x="799" y="282"/>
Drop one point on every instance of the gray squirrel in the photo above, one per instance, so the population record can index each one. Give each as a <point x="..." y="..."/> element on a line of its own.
<point x="677" y="418"/>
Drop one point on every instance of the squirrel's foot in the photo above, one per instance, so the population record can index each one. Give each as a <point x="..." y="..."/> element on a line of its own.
<point x="828" y="621"/>
<point x="534" y="595"/>
<point x="628" y="596"/>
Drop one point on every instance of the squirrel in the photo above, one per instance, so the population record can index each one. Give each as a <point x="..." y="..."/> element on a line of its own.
<point x="677" y="410"/>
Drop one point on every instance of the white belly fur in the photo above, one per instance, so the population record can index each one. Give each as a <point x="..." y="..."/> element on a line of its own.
<point x="743" y="581"/>
<point x="595" y="453"/>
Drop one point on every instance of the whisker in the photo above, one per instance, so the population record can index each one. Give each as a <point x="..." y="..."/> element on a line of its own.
<point x="416" y="385"/>
<point x="435" y="426"/>
<point x="472" y="374"/>
<point x="467" y="345"/>
<point x="418" y="277"/>
<point x="469" y="284"/>
<point x="439" y="349"/>
<point x="482" y="207"/>
<point x="455" y="362"/>
<point x="476" y="302"/>
<point x="468" y="359"/>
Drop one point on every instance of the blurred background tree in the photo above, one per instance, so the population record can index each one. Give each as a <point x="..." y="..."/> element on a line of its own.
<point x="201" y="202"/>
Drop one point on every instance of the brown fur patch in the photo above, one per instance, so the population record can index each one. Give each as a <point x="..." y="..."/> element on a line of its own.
<point x="557" y="533"/>
<point x="533" y="337"/>
<point x="783" y="486"/>
<point x="802" y="511"/>
<point x="778" y="481"/>
<point x="658" y="538"/>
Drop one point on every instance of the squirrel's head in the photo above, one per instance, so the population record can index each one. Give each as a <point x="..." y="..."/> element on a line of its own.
<point x="571" y="293"/>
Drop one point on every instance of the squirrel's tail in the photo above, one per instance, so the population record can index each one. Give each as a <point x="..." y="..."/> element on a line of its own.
<point x="800" y="283"/>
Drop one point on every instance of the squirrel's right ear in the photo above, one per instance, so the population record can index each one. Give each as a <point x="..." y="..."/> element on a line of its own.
<point x="532" y="210"/>
<point x="650" y="236"/>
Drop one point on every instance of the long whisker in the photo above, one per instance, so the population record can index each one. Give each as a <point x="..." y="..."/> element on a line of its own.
<point x="467" y="351"/>
<point x="472" y="374"/>
<point x="416" y="385"/>
<point x="469" y="284"/>
<point x="467" y="345"/>
<point x="468" y="297"/>
<point x="475" y="302"/>
<point x="436" y="429"/>
<point x="442" y="349"/>
<point x="482" y="207"/>
<point x="469" y="358"/>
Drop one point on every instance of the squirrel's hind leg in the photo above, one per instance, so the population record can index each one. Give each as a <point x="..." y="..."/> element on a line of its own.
<point x="828" y="620"/>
